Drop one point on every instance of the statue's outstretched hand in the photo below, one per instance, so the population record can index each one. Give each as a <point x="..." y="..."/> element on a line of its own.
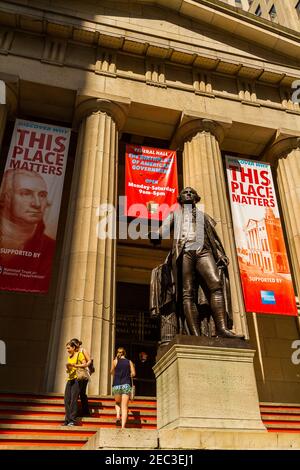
<point x="223" y="261"/>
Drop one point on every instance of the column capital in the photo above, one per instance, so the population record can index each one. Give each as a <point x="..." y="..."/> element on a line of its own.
<point x="191" y="123"/>
<point x="115" y="106"/>
<point x="284" y="142"/>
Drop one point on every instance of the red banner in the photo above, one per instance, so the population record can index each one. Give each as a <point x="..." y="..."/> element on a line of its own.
<point x="151" y="182"/>
<point x="264" y="268"/>
<point x="30" y="198"/>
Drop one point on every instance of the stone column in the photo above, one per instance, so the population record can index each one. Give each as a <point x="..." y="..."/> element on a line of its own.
<point x="89" y="296"/>
<point x="203" y="170"/>
<point x="3" y="119"/>
<point x="7" y="109"/>
<point x="285" y="156"/>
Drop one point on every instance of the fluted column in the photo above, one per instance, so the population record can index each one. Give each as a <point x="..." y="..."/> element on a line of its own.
<point x="285" y="156"/>
<point x="89" y="295"/>
<point x="3" y="119"/>
<point x="203" y="170"/>
<point x="6" y="109"/>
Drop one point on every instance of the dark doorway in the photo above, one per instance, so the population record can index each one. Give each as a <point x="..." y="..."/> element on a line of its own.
<point x="138" y="333"/>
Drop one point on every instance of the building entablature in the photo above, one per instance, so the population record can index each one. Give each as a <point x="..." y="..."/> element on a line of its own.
<point x="189" y="48"/>
<point x="85" y="57"/>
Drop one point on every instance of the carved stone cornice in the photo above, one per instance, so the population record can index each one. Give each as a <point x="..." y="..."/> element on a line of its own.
<point x="81" y="28"/>
<point x="116" y="107"/>
<point x="215" y="14"/>
<point x="192" y="123"/>
<point x="284" y="142"/>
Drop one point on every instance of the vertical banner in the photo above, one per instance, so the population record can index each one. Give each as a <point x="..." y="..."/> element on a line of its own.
<point x="151" y="183"/>
<point x="264" y="268"/>
<point x="30" y="198"/>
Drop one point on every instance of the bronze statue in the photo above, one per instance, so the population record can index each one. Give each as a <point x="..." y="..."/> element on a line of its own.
<point x="191" y="289"/>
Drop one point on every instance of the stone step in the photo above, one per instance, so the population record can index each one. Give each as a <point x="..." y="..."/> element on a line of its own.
<point x="95" y="414"/>
<point x="270" y="425"/>
<point x="61" y="409"/>
<point x="279" y="405"/>
<point x="280" y="417"/>
<point x="283" y="411"/>
<point x="29" y="421"/>
<point x="280" y="408"/>
<point x="41" y="420"/>
<point x="60" y="406"/>
<point x="19" y="428"/>
<point x="59" y="400"/>
<point x="39" y="436"/>
<point x="40" y="399"/>
<point x="38" y="446"/>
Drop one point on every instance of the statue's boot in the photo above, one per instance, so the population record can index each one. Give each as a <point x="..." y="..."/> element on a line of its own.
<point x="221" y="329"/>
<point x="192" y="319"/>
<point x="218" y="308"/>
<point x="225" y="333"/>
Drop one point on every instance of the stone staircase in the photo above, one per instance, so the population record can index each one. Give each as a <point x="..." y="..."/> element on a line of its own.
<point x="35" y="421"/>
<point x="29" y="421"/>
<point x="279" y="417"/>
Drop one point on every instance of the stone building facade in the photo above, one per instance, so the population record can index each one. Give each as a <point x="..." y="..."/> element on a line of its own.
<point x="285" y="13"/>
<point x="200" y="77"/>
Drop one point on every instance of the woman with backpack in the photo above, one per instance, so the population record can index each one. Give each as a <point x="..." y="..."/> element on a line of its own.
<point x="83" y="383"/>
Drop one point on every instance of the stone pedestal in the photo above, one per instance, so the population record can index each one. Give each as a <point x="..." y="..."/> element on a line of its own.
<point x="207" y="383"/>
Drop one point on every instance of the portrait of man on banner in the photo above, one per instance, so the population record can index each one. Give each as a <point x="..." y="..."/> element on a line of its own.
<point x="23" y="206"/>
<point x="30" y="197"/>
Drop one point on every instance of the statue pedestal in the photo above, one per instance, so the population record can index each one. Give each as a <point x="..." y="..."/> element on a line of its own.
<point x="207" y="383"/>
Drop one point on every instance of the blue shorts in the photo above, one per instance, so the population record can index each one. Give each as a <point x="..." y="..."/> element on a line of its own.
<point x="121" y="389"/>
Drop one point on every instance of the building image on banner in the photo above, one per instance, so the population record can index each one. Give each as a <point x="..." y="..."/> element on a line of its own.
<point x="30" y="198"/>
<point x="262" y="257"/>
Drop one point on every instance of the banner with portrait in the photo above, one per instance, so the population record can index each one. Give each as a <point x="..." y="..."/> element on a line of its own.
<point x="30" y="199"/>
<point x="263" y="262"/>
<point x="151" y="183"/>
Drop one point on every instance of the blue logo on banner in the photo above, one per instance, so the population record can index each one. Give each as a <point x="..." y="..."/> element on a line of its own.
<point x="267" y="297"/>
